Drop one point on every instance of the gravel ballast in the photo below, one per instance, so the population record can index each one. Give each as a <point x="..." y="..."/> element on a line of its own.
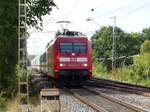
<point x="68" y="104"/>
<point x="138" y="100"/>
<point x="73" y="104"/>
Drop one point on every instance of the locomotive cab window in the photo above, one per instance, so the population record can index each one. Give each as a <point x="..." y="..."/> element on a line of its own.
<point x="79" y="47"/>
<point x="65" y="47"/>
<point x="75" y="47"/>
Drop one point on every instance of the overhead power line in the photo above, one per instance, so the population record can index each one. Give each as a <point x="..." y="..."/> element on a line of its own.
<point x="47" y="21"/>
<point x="90" y="19"/>
<point x="135" y="10"/>
<point x="44" y="24"/>
<point x="129" y="13"/>
<point x="115" y="10"/>
<point x="72" y="9"/>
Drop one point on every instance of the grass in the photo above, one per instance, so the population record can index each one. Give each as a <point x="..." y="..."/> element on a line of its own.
<point x="125" y="74"/>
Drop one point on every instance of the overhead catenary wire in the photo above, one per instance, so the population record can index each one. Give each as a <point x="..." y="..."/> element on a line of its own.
<point x="47" y="21"/>
<point x="135" y="10"/>
<point x="66" y="17"/>
<point x="44" y="24"/>
<point x="90" y="19"/>
<point x="70" y="14"/>
<point x="114" y="10"/>
<point x="72" y="9"/>
<point x="122" y="17"/>
<point x="105" y="13"/>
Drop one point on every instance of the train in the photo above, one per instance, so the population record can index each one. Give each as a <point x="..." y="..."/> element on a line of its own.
<point x="68" y="57"/>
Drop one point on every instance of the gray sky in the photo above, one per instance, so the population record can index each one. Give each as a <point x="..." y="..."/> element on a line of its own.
<point x="131" y="16"/>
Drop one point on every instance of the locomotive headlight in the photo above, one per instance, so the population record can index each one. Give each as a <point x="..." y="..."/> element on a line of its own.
<point x="73" y="54"/>
<point x="85" y="65"/>
<point x="61" y="64"/>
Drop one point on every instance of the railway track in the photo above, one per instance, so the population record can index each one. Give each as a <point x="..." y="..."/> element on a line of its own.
<point x="119" y="86"/>
<point x="101" y="102"/>
<point x="143" y="88"/>
<point x="98" y="101"/>
<point x="97" y="82"/>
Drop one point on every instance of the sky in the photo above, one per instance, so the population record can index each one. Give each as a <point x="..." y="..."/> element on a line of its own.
<point x="131" y="16"/>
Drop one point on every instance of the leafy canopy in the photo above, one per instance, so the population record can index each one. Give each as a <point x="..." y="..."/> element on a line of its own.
<point x="126" y="44"/>
<point x="9" y="37"/>
<point x="145" y="47"/>
<point x="36" y="10"/>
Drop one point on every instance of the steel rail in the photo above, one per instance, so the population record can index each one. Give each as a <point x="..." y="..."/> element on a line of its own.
<point x="97" y="82"/>
<point x="117" y="88"/>
<point x="116" y="100"/>
<point x="122" y="83"/>
<point x="86" y="101"/>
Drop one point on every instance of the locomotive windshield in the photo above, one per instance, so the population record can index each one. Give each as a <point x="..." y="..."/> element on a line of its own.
<point x="75" y="47"/>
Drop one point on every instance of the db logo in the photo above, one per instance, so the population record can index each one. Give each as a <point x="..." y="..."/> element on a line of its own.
<point x="73" y="59"/>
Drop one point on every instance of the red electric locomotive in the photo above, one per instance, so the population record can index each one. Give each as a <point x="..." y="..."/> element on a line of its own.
<point x="68" y="58"/>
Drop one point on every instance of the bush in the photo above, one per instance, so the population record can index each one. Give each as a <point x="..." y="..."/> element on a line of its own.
<point x="141" y="65"/>
<point x="123" y="74"/>
<point x="145" y="47"/>
<point x="99" y="70"/>
<point x="2" y="99"/>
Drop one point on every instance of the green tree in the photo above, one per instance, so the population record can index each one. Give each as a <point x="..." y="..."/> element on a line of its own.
<point x="8" y="36"/>
<point x="141" y="64"/>
<point x="134" y="43"/>
<point x="36" y="10"/>
<point x="126" y="44"/>
<point x="8" y="40"/>
<point x="145" y="47"/>
<point x="138" y="72"/>
<point x="102" y="43"/>
<point x="146" y="34"/>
